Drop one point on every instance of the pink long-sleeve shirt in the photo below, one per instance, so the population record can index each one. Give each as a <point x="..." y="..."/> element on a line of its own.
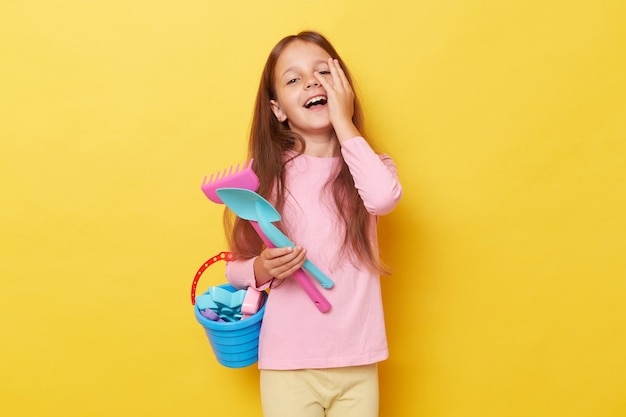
<point x="294" y="333"/>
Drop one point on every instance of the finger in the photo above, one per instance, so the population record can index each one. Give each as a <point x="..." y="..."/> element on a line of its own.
<point x="295" y="257"/>
<point x="286" y="271"/>
<point x="273" y="253"/>
<point x="335" y="75"/>
<point x="324" y="81"/>
<point x="290" y="263"/>
<point x="339" y="75"/>
<point x="300" y="257"/>
<point x="289" y="271"/>
<point x="271" y="257"/>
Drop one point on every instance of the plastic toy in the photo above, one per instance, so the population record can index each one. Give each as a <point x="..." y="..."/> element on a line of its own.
<point x="250" y="206"/>
<point x="247" y="179"/>
<point x="234" y="343"/>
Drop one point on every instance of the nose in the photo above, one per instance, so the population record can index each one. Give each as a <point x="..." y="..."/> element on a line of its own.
<point x="312" y="82"/>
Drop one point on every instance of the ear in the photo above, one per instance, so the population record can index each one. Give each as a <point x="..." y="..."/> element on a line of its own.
<point x="278" y="112"/>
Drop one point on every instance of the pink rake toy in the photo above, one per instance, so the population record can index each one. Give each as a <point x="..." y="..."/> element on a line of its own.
<point x="247" y="179"/>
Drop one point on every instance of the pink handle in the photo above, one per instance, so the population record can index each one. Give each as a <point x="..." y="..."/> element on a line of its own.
<point x="300" y="276"/>
<point x="320" y="301"/>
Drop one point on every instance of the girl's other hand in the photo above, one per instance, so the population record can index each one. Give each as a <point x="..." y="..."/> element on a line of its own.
<point x="340" y="100"/>
<point x="279" y="263"/>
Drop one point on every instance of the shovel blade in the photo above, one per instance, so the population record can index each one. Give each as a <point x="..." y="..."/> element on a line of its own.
<point x="248" y="205"/>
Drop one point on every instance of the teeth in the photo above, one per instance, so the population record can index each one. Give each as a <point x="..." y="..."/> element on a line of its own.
<point x="314" y="101"/>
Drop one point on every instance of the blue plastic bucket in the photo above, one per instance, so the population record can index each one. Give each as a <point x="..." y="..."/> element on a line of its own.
<point x="235" y="344"/>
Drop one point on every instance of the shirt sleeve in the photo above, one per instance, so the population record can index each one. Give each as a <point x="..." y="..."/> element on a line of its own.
<point x="240" y="274"/>
<point x="375" y="176"/>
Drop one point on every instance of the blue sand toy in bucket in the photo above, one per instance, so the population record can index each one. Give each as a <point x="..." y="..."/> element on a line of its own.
<point x="225" y="305"/>
<point x="234" y="343"/>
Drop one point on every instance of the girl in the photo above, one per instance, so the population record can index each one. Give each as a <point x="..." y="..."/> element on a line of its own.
<point x="329" y="186"/>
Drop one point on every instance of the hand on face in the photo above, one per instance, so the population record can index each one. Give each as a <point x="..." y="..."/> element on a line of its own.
<point x="304" y="71"/>
<point x="339" y="92"/>
<point x="340" y="100"/>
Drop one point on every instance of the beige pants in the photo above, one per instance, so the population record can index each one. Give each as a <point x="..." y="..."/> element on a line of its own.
<point x="336" y="392"/>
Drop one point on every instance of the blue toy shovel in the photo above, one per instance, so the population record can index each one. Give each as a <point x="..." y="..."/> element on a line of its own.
<point x="251" y="206"/>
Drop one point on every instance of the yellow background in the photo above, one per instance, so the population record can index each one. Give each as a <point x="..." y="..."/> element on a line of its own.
<point x="506" y="119"/>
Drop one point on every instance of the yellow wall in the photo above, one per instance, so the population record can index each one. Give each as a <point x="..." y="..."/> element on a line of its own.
<point x="507" y="120"/>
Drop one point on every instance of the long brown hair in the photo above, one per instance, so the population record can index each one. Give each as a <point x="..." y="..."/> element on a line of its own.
<point x="270" y="139"/>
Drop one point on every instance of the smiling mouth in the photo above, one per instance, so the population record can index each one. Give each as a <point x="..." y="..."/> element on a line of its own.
<point x="316" y="101"/>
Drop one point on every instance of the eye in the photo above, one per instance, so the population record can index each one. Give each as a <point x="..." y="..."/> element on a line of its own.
<point x="324" y="72"/>
<point x="292" y="81"/>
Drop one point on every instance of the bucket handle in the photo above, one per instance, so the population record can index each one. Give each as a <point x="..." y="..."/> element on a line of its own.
<point x="222" y="256"/>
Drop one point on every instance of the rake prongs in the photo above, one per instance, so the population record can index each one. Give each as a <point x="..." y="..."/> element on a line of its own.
<point x="220" y="175"/>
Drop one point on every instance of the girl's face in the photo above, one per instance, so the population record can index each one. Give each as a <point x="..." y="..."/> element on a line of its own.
<point x="300" y="98"/>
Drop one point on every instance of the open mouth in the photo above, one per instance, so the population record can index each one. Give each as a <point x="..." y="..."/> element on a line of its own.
<point x="316" y="101"/>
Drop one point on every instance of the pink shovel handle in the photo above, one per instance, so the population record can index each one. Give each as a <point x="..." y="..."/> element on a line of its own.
<point x="300" y="276"/>
<point x="311" y="290"/>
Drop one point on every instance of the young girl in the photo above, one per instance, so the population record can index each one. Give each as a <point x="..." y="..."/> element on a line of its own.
<point x="329" y="186"/>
